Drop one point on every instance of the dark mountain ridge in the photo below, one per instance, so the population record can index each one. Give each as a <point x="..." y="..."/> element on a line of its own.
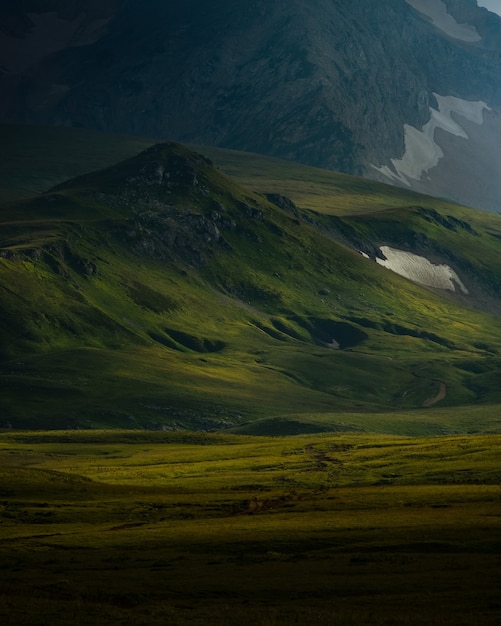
<point x="331" y="83"/>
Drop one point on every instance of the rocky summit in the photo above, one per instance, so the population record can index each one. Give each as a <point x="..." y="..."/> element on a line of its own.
<point x="403" y="91"/>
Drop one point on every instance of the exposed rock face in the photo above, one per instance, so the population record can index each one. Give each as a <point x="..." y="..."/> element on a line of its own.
<point x="351" y="85"/>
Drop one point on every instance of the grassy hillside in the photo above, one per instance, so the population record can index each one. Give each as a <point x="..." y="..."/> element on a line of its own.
<point x="188" y="528"/>
<point x="161" y="293"/>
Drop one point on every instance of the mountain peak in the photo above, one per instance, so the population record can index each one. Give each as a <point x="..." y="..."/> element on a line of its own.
<point x="170" y="166"/>
<point x="164" y="167"/>
<point x="351" y="86"/>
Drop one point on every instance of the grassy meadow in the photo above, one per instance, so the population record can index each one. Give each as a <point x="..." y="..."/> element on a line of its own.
<point x="315" y="441"/>
<point x="205" y="307"/>
<point x="134" y="527"/>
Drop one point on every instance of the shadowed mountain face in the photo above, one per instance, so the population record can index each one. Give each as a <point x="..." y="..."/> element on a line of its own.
<point x="405" y="91"/>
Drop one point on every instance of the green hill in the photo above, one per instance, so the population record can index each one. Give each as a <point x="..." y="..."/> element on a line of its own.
<point x="160" y="292"/>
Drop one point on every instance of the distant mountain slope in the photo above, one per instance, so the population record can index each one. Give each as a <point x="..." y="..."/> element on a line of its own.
<point x="408" y="92"/>
<point x="35" y="158"/>
<point x="158" y="292"/>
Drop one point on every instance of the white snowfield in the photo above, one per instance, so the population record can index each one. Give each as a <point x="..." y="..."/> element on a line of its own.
<point x="422" y="153"/>
<point x="494" y="6"/>
<point x="437" y="13"/>
<point x="420" y="270"/>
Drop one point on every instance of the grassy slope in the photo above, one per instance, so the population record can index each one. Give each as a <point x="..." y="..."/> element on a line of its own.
<point x="104" y="341"/>
<point x="313" y="188"/>
<point x="128" y="527"/>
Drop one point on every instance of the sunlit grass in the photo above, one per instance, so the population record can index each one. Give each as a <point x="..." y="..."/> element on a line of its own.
<point x="139" y="527"/>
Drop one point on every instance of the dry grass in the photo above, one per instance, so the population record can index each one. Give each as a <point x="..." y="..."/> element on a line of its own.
<point x="241" y="530"/>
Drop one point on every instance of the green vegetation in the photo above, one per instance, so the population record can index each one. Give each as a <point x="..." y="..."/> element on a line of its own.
<point x="129" y="527"/>
<point x="163" y="296"/>
<point x="160" y="293"/>
<point x="313" y="188"/>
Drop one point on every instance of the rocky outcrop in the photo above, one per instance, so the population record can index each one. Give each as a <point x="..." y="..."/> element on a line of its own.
<point x="174" y="204"/>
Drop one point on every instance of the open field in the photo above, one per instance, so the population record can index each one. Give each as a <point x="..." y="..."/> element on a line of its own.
<point x="134" y="527"/>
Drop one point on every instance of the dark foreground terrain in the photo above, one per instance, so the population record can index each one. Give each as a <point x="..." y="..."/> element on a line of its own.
<point x="191" y="529"/>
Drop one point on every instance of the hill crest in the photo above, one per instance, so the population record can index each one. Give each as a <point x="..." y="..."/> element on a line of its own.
<point x="163" y="294"/>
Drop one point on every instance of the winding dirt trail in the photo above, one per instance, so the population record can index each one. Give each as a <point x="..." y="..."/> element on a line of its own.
<point x="442" y="393"/>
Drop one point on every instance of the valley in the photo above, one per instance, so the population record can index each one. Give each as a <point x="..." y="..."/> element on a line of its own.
<point x="310" y="437"/>
<point x="128" y="527"/>
<point x="250" y="304"/>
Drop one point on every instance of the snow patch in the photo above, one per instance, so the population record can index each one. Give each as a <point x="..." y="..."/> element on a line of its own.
<point x="420" y="270"/>
<point x="494" y="6"/>
<point x="436" y="11"/>
<point x="422" y="153"/>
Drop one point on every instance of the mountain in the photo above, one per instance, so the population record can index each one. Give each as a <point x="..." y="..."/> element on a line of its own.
<point x="160" y="292"/>
<point x="403" y="91"/>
